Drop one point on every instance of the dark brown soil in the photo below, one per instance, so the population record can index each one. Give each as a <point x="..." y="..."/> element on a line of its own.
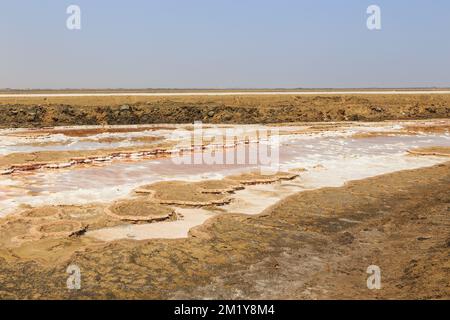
<point x="40" y="112"/>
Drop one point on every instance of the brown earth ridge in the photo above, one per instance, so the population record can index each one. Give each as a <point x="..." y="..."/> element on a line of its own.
<point x="122" y="110"/>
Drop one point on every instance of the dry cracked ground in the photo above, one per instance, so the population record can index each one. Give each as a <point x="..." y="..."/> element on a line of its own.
<point x="312" y="245"/>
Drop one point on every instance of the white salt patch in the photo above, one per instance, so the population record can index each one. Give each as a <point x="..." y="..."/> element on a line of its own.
<point x="162" y="230"/>
<point x="341" y="159"/>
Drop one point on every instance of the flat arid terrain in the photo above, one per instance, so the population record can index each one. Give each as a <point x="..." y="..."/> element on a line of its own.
<point x="225" y="196"/>
<point x="171" y="107"/>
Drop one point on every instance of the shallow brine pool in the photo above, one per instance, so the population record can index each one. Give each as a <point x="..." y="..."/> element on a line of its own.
<point x="330" y="157"/>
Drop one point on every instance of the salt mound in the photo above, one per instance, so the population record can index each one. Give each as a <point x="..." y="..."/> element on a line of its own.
<point x="219" y="186"/>
<point x="42" y="212"/>
<point x="257" y="178"/>
<point x="431" y="151"/>
<point x="58" y="229"/>
<point x="182" y="193"/>
<point x="136" y="210"/>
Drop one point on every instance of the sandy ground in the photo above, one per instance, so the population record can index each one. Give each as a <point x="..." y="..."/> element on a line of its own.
<point x="314" y="244"/>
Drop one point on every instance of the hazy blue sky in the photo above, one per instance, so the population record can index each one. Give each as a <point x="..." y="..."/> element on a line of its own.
<point x="224" y="43"/>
